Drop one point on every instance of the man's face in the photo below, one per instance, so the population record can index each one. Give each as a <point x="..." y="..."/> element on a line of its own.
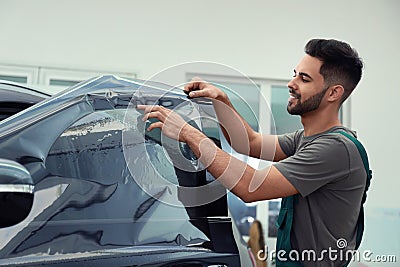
<point x="306" y="89"/>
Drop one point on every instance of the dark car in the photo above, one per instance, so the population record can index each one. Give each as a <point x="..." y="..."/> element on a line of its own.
<point x="15" y="97"/>
<point x="82" y="183"/>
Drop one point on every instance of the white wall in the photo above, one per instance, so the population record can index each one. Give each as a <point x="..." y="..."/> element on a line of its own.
<point x="260" y="38"/>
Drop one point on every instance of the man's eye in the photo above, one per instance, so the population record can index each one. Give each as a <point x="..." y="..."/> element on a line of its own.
<point x="304" y="79"/>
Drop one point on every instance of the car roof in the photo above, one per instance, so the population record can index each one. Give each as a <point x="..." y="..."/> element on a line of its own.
<point x="102" y="90"/>
<point x="16" y="97"/>
<point x="9" y="89"/>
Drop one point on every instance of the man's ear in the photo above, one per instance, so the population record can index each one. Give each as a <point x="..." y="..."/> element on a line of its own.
<point x="335" y="93"/>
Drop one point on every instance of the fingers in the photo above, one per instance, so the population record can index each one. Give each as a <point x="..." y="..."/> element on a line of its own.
<point x="154" y="125"/>
<point x="158" y="112"/>
<point x="169" y="122"/>
<point x="153" y="112"/>
<point x="195" y="84"/>
<point x="199" y="88"/>
<point x="201" y="93"/>
<point x="149" y="108"/>
<point x="145" y="108"/>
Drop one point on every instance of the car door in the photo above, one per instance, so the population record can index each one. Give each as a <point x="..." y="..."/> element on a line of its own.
<point x="102" y="182"/>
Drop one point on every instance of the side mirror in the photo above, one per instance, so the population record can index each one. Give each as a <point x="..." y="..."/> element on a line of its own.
<point x="16" y="193"/>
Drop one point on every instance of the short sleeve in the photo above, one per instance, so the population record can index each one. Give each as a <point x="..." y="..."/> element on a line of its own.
<point x="321" y="161"/>
<point x="288" y="142"/>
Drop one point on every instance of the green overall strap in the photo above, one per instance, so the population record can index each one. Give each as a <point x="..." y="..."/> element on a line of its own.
<point x="284" y="224"/>
<point x="364" y="157"/>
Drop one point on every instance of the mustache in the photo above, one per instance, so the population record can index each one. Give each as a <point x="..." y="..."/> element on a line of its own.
<point x="291" y="91"/>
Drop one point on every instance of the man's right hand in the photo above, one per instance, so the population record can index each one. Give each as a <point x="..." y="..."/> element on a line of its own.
<point x="199" y="88"/>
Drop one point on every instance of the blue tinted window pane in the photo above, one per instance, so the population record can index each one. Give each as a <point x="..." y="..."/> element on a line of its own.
<point x="63" y="82"/>
<point x="284" y="122"/>
<point x="245" y="98"/>
<point x="17" y="79"/>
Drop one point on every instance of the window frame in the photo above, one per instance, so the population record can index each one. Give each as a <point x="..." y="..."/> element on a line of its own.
<point x="31" y="73"/>
<point x="47" y="74"/>
<point x="41" y="76"/>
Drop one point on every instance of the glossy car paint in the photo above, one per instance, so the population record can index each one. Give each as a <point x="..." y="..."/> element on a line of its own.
<point x="88" y="207"/>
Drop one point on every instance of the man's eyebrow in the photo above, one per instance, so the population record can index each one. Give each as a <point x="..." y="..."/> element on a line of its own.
<point x="303" y="74"/>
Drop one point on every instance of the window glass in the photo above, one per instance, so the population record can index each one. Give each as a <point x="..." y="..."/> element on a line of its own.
<point x="81" y="151"/>
<point x="92" y="148"/>
<point x="65" y="83"/>
<point x="13" y="78"/>
<point x="245" y="98"/>
<point x="284" y="122"/>
<point x="128" y="206"/>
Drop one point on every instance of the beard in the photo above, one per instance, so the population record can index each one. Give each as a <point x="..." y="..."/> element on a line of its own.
<point x="309" y="105"/>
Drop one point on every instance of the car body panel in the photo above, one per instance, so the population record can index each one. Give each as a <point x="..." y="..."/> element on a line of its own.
<point x="88" y="200"/>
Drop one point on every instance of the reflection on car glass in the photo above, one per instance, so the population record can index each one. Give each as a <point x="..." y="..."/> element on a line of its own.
<point x="98" y="122"/>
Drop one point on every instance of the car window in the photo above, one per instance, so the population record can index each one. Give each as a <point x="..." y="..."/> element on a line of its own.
<point x="82" y="149"/>
<point x="92" y="153"/>
<point x="92" y="149"/>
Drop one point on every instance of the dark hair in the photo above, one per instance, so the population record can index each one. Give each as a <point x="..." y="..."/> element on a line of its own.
<point x="340" y="63"/>
<point x="261" y="241"/>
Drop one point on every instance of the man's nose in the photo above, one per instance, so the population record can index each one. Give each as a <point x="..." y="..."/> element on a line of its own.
<point x="291" y="84"/>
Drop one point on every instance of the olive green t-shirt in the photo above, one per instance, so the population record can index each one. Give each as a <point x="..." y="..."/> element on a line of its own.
<point x="328" y="172"/>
